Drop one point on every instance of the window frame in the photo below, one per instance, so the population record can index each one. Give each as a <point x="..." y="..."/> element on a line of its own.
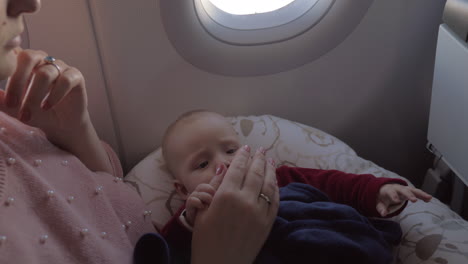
<point x="196" y="46"/>
<point x="261" y="28"/>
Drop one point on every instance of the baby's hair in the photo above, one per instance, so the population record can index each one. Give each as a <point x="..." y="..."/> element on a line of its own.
<point x="190" y="113"/>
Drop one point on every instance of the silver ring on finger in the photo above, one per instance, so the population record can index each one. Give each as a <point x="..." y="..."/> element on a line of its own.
<point x="264" y="197"/>
<point x="51" y="60"/>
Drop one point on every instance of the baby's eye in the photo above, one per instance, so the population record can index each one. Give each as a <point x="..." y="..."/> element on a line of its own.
<point x="231" y="151"/>
<point x="202" y="165"/>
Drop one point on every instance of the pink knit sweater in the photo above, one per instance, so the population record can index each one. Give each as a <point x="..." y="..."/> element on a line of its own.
<point x="54" y="210"/>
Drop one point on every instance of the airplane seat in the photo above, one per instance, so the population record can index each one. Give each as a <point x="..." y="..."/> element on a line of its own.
<point x="448" y="125"/>
<point x="431" y="231"/>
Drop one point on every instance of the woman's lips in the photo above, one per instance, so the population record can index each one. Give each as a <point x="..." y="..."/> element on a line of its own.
<point x="14" y="42"/>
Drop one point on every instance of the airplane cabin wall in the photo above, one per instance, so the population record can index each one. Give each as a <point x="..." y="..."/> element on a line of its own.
<point x="372" y="91"/>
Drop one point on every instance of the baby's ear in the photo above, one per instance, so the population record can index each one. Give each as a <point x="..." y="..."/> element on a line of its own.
<point x="180" y="189"/>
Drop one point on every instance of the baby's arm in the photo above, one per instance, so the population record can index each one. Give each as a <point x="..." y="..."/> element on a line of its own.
<point x="392" y="196"/>
<point x="200" y="198"/>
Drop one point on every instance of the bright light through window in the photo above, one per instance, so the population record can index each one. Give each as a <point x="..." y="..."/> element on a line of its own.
<point x="245" y="7"/>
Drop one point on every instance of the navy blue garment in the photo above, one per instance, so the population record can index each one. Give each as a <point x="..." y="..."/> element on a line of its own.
<point x="311" y="229"/>
<point x="151" y="248"/>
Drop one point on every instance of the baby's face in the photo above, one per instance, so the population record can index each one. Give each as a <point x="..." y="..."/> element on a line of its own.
<point x="197" y="146"/>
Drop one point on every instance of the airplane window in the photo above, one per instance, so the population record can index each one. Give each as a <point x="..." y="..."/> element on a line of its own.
<point x="257" y="22"/>
<point x="258" y="37"/>
<point x="246" y="7"/>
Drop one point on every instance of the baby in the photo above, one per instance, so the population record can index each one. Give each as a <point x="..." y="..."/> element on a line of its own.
<point x="198" y="141"/>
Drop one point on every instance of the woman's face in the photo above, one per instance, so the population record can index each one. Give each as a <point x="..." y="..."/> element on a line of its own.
<point x="11" y="26"/>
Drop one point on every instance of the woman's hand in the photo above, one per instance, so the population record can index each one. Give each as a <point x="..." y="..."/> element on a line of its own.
<point x="392" y="196"/>
<point x="54" y="100"/>
<point x="236" y="224"/>
<point x="41" y="96"/>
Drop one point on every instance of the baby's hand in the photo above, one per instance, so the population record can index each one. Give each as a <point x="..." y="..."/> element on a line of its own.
<point x="198" y="199"/>
<point x="392" y="196"/>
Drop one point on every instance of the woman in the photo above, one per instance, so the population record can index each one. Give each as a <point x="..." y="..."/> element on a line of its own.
<point x="61" y="195"/>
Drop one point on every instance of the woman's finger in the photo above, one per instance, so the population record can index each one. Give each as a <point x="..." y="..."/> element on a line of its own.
<point x="270" y="187"/>
<point x="219" y="175"/>
<point x="17" y="84"/>
<point x="41" y="83"/>
<point x="274" y="206"/>
<point x="69" y="79"/>
<point x="256" y="174"/>
<point x="234" y="177"/>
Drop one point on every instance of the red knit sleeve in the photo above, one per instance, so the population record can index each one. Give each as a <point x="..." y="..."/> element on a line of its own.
<point x="357" y="190"/>
<point x="175" y="233"/>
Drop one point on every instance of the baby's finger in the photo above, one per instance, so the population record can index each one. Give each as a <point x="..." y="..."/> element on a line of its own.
<point x="381" y="208"/>
<point x="190" y="213"/>
<point x="204" y="187"/>
<point x="194" y="202"/>
<point x="388" y="196"/>
<point x="392" y="196"/>
<point x="407" y="194"/>
<point x="204" y="197"/>
<point x="421" y="194"/>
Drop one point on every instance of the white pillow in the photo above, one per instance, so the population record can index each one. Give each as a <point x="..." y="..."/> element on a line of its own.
<point x="431" y="232"/>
